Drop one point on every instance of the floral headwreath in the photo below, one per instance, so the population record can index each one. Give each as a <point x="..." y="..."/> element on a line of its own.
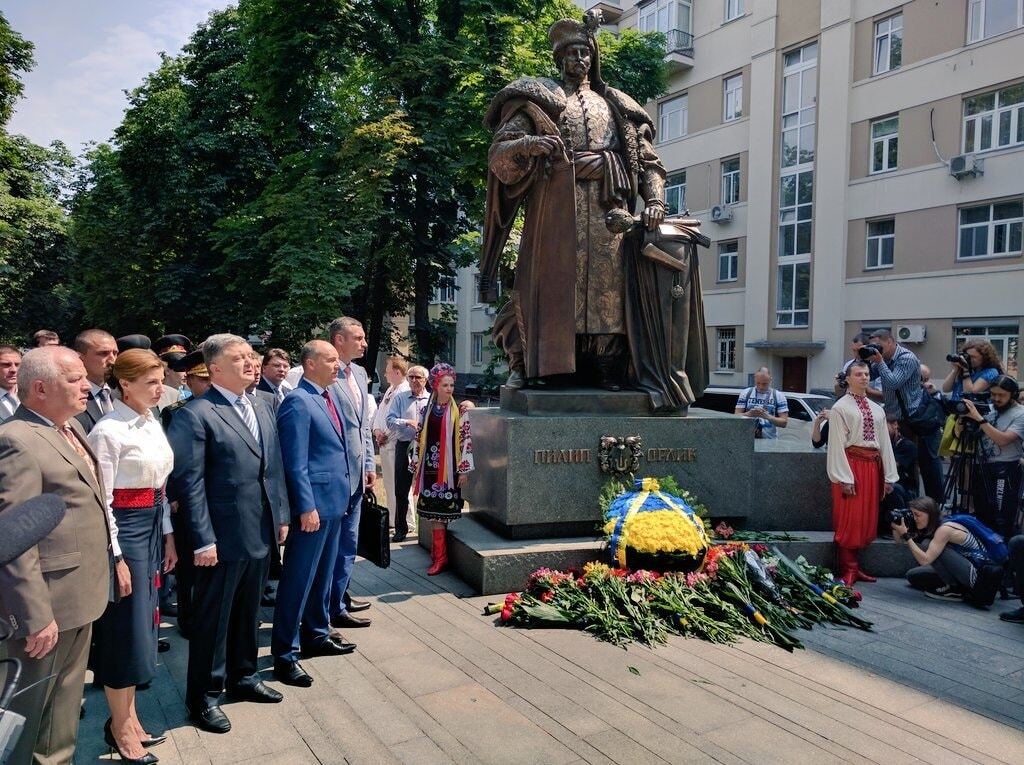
<point x="438" y="371"/>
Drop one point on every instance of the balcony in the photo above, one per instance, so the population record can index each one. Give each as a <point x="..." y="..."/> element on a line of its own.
<point x="678" y="50"/>
<point x="610" y="9"/>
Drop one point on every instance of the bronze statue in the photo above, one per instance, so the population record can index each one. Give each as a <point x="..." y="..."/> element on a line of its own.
<point x="589" y="295"/>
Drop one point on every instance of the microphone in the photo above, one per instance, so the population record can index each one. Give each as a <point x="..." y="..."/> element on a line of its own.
<point x="24" y="525"/>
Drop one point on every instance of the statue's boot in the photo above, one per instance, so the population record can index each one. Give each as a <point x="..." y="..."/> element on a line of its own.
<point x="609" y="379"/>
<point x="515" y="380"/>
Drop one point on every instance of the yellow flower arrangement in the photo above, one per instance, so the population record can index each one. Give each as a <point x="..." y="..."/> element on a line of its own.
<point x="662" y="531"/>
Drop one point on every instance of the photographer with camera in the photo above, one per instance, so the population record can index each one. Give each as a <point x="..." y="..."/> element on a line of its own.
<point x="972" y="371"/>
<point x="954" y="562"/>
<point x="862" y="469"/>
<point x="920" y="416"/>
<point x="995" y="488"/>
<point x="859" y="341"/>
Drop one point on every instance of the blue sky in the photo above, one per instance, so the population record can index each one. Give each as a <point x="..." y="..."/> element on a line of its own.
<point x="88" y="52"/>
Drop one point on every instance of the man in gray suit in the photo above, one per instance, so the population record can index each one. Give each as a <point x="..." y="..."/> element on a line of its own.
<point x="10" y="360"/>
<point x="229" y="481"/>
<point x="98" y="351"/>
<point x="51" y="594"/>
<point x="347" y="336"/>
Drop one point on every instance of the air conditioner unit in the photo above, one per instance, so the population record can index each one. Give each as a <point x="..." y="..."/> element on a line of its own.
<point x="721" y="213"/>
<point x="911" y="333"/>
<point x="964" y="165"/>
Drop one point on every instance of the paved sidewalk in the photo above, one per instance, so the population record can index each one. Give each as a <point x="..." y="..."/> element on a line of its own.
<point x="433" y="681"/>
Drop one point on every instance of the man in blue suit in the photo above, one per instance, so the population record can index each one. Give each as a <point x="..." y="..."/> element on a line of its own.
<point x="317" y="472"/>
<point x="349" y="340"/>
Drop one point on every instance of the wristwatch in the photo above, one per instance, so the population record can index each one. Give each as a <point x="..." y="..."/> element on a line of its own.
<point x="905" y="536"/>
<point x="118" y="558"/>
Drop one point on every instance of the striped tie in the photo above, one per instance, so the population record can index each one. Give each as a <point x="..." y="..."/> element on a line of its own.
<point x="248" y="416"/>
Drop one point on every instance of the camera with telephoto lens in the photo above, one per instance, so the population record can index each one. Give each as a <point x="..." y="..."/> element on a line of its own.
<point x="902" y="515"/>
<point x="982" y="402"/>
<point x="959" y="358"/>
<point x="867" y="351"/>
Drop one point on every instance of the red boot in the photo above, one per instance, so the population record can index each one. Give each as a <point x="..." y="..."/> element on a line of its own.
<point x="439" y="552"/>
<point x="861" y="576"/>
<point x="846" y="560"/>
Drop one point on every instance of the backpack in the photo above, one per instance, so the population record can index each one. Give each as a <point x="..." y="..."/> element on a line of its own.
<point x="995" y="546"/>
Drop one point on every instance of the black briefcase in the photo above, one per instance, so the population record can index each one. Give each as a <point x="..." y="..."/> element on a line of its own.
<point x="374" y="540"/>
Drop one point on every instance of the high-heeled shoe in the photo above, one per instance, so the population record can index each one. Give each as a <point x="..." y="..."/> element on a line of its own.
<point x="148" y="742"/>
<point x="108" y="736"/>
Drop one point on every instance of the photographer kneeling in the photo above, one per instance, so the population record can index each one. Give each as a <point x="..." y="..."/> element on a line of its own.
<point x="953" y="564"/>
<point x="995" y="487"/>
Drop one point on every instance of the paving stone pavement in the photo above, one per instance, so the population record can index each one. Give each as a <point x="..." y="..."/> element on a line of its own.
<point x="433" y="681"/>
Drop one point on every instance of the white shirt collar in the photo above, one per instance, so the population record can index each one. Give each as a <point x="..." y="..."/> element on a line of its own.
<point x="47" y="420"/>
<point x="96" y="388"/>
<point x="231" y="396"/>
<point x="130" y="416"/>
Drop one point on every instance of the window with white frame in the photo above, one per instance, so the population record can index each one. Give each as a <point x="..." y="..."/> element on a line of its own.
<point x="1005" y="338"/>
<point x="994" y="120"/>
<point x="445" y="290"/>
<point x="988" y="18"/>
<point x="675" y="193"/>
<point x="733" y="98"/>
<point x="991" y="230"/>
<point x="728" y="261"/>
<point x="799" y="99"/>
<point x="477" y="350"/>
<point x="885" y="138"/>
<point x="672" y="118"/>
<point x="733" y="9"/>
<point x="725" y="340"/>
<point x="793" y="301"/>
<point x="665" y="15"/>
<point x="730" y="181"/>
<point x="881" y="243"/>
<point x="888" y="44"/>
<point x="796" y="203"/>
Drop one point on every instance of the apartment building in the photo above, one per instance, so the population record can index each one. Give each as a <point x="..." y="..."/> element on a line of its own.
<point x="857" y="163"/>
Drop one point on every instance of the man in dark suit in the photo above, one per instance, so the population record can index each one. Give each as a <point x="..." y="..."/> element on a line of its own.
<point x="229" y="481"/>
<point x="276" y="364"/>
<point x="98" y="351"/>
<point x="349" y="339"/>
<point x="10" y="360"/>
<point x="51" y="594"/>
<point x="319" y="486"/>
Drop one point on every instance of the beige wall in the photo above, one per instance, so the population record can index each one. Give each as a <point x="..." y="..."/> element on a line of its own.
<point x="706" y="101"/>
<point x="930" y="28"/>
<point x="738" y="377"/>
<point x="915" y="137"/>
<point x="709" y="265"/>
<point x="797" y="21"/>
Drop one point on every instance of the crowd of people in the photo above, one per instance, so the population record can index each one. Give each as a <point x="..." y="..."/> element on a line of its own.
<point x="217" y="465"/>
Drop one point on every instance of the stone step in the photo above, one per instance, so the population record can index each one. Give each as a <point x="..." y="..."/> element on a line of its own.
<point x="492" y="565"/>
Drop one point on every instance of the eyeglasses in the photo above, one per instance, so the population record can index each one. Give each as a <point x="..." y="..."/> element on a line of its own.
<point x="417" y="377"/>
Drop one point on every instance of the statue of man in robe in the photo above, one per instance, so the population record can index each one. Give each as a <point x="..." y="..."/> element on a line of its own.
<point x="578" y="156"/>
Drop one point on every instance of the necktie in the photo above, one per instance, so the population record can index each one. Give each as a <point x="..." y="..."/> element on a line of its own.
<point x="248" y="416"/>
<point x="353" y="388"/>
<point x="72" y="439"/>
<point x="103" y="396"/>
<point x="8" y="403"/>
<point x="332" y="410"/>
<point x="280" y="394"/>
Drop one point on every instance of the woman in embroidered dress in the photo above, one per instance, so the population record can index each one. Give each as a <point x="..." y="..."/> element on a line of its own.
<point x="862" y="469"/>
<point x="440" y="460"/>
<point x="134" y="459"/>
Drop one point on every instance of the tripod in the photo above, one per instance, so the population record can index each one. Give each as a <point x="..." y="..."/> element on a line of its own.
<point x="965" y="466"/>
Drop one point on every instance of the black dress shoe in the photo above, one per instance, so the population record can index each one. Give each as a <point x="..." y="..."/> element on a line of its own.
<point x="292" y="673"/>
<point x="331" y="646"/>
<point x="357" y="605"/>
<point x="163" y="645"/>
<point x="398" y="538"/>
<point x="348" y="620"/>
<point x="211" y="718"/>
<point x="168" y="609"/>
<point x="255" y="690"/>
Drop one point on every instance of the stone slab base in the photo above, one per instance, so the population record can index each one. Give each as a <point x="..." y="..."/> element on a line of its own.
<point x="493" y="565"/>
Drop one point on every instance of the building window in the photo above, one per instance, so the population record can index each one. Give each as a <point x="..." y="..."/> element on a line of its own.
<point x="733" y="98"/>
<point x="888" y="43"/>
<point x="885" y="138"/>
<point x="733" y="9"/>
<point x="796" y="197"/>
<point x="988" y="18"/>
<point x="881" y="242"/>
<point x="725" y="340"/>
<point x="994" y="120"/>
<point x="991" y="230"/>
<point x="728" y="261"/>
<point x="730" y="181"/>
<point x="672" y="118"/>
<point x="793" y="302"/>
<point x="478" y="349"/>
<point x="665" y="15"/>
<point x="445" y="290"/>
<point x="799" y="97"/>
<point x="675" y="193"/>
<point x="1003" y="336"/>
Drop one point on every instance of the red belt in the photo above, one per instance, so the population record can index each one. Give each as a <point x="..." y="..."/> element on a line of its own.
<point x="137" y="499"/>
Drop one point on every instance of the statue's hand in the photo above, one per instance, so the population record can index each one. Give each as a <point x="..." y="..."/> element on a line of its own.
<point x="653" y="214"/>
<point x="544" y="145"/>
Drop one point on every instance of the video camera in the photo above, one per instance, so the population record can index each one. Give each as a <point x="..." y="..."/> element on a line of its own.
<point x="982" y="402"/>
<point x="867" y="351"/>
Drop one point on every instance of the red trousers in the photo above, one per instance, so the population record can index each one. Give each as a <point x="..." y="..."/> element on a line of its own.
<point x="855" y="519"/>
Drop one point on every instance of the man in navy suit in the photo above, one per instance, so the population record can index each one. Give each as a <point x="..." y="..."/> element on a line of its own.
<point x="229" y="481"/>
<point x="349" y="340"/>
<point x="319" y="486"/>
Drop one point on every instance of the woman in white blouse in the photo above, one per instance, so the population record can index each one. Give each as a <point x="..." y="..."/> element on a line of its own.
<point x="135" y="460"/>
<point x="386" y="438"/>
<point x="862" y="469"/>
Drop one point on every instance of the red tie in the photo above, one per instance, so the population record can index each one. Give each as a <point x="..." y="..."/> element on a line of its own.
<point x="332" y="411"/>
